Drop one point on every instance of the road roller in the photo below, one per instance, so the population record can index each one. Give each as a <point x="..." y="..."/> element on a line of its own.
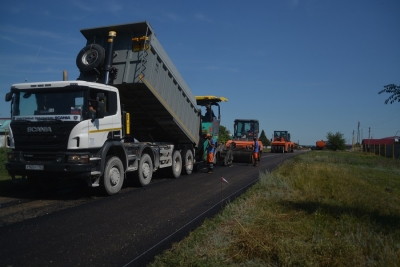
<point x="245" y="130"/>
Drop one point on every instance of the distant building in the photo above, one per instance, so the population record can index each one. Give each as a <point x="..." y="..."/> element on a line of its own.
<point x="383" y="141"/>
<point x="387" y="147"/>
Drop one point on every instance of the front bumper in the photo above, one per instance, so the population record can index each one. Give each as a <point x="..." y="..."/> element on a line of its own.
<point x="47" y="164"/>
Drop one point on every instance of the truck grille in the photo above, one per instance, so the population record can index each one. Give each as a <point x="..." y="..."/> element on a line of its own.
<point x="55" y="140"/>
<point x="39" y="157"/>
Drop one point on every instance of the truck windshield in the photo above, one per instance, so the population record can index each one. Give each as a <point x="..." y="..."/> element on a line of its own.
<point x="45" y="105"/>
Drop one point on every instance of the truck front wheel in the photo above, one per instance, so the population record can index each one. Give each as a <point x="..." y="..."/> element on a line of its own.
<point x="145" y="170"/>
<point x="113" y="176"/>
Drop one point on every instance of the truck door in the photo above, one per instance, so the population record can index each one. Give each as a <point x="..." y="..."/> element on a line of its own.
<point x="102" y="129"/>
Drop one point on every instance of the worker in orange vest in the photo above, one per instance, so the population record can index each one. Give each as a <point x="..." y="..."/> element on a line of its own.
<point x="210" y="153"/>
<point x="256" y="150"/>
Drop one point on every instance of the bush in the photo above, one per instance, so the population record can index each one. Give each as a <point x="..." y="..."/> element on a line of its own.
<point x="3" y="158"/>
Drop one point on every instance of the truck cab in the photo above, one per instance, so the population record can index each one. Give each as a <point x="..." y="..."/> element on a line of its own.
<point x="58" y="128"/>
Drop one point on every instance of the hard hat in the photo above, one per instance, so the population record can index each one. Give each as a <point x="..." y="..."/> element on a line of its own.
<point x="208" y="135"/>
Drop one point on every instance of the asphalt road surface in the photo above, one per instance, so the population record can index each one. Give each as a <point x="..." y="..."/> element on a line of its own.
<point x="130" y="228"/>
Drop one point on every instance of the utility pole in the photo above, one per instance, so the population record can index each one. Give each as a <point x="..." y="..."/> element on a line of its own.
<point x="369" y="138"/>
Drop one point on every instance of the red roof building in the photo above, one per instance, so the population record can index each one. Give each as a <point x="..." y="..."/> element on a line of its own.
<point x="383" y="141"/>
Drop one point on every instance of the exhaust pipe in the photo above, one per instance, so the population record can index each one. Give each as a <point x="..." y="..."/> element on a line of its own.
<point x="109" y="56"/>
<point x="65" y="75"/>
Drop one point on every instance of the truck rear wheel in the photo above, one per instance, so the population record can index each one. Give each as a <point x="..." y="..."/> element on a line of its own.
<point x="90" y="57"/>
<point x="113" y="176"/>
<point x="145" y="170"/>
<point x="176" y="164"/>
<point x="188" y="161"/>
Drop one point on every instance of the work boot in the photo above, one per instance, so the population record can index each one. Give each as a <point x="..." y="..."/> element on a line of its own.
<point x="210" y="171"/>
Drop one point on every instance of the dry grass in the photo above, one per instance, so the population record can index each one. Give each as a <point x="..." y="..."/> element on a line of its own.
<point x="319" y="209"/>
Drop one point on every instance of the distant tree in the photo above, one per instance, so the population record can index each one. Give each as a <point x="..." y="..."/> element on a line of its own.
<point x="224" y="134"/>
<point x="335" y="141"/>
<point x="394" y="90"/>
<point x="263" y="138"/>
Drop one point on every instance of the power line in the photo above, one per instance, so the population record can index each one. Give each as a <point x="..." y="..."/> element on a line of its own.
<point x="389" y="116"/>
<point x="26" y="79"/>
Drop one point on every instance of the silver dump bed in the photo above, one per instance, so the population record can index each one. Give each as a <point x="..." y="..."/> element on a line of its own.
<point x="161" y="104"/>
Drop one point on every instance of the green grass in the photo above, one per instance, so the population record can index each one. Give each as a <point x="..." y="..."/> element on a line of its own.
<point x="319" y="209"/>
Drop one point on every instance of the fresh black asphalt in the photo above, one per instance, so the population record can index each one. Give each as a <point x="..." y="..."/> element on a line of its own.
<point x="130" y="228"/>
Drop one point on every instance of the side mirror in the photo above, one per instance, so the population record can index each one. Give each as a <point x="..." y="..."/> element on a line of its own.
<point x="100" y="110"/>
<point x="9" y="96"/>
<point x="100" y="96"/>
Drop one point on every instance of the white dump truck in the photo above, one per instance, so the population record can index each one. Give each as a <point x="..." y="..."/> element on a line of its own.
<point x="129" y="111"/>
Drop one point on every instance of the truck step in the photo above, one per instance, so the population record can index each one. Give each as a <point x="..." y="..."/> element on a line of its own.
<point x="131" y="157"/>
<point x="131" y="169"/>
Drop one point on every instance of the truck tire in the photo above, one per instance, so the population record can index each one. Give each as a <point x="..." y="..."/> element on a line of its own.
<point x="176" y="164"/>
<point x="90" y="57"/>
<point x="145" y="170"/>
<point x="113" y="176"/>
<point x="188" y="161"/>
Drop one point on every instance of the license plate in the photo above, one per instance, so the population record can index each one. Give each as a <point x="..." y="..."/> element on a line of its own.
<point x="34" y="167"/>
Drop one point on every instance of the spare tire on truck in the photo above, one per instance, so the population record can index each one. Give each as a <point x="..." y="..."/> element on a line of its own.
<point x="90" y="57"/>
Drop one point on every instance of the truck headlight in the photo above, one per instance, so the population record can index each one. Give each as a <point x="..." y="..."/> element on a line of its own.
<point x="78" y="158"/>
<point x="11" y="157"/>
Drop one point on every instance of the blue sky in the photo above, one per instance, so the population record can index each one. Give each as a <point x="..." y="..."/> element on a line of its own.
<point x="306" y="66"/>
